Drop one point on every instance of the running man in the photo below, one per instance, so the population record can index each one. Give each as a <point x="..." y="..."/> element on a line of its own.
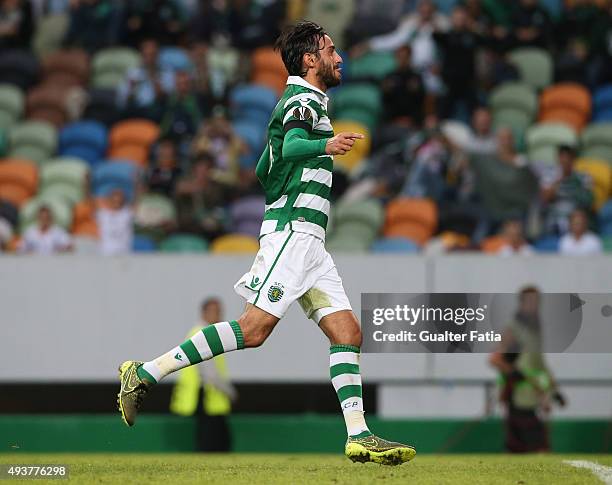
<point x="292" y="264"/>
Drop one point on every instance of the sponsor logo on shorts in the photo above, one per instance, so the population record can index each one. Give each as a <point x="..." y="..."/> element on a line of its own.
<point x="254" y="282"/>
<point x="275" y="293"/>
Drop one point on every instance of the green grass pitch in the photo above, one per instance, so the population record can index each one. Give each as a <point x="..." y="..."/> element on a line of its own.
<point x="254" y="469"/>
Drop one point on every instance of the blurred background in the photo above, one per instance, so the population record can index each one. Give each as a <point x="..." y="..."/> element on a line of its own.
<point x="129" y="134"/>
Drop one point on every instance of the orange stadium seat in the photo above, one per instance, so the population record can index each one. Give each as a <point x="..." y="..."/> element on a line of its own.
<point x="47" y="103"/>
<point x="132" y="153"/>
<point x="132" y="139"/>
<point x="67" y="67"/>
<point x="567" y="103"/>
<point x="18" y="180"/>
<point x="268" y="69"/>
<point x="415" y="219"/>
<point x="492" y="244"/>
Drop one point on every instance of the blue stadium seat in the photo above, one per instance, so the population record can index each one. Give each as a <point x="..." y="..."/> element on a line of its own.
<point x="602" y="104"/>
<point x="253" y="134"/>
<point x="175" y="59"/>
<point x="604" y="218"/>
<point x="84" y="139"/>
<point x="111" y="175"/>
<point x="395" y="245"/>
<point x="547" y="244"/>
<point x="252" y="102"/>
<point x="143" y="244"/>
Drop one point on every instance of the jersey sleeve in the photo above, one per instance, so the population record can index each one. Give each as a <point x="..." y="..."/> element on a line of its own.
<point x="301" y="113"/>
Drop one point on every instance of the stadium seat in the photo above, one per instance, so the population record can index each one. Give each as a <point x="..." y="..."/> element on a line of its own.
<point x="66" y="68"/>
<point x="252" y="102"/>
<point x="364" y="97"/>
<point x="253" y="135"/>
<point x="154" y="210"/>
<point x="18" y="180"/>
<point x="85" y="139"/>
<point x="84" y="219"/>
<point x="109" y="66"/>
<point x="335" y="15"/>
<point x="360" y="150"/>
<point x="414" y="219"/>
<point x="342" y="243"/>
<point x="271" y="80"/>
<point x="60" y="208"/>
<point x="235" y="244"/>
<point x="112" y="175"/>
<point x="600" y="172"/>
<point x="132" y="140"/>
<point x="516" y="96"/>
<point x="247" y="214"/>
<point x="50" y="34"/>
<point x="143" y="244"/>
<point x="547" y="244"/>
<point x="32" y="140"/>
<point x="571" y="96"/>
<point x="47" y="103"/>
<point x="183" y="243"/>
<point x="395" y="245"/>
<point x="11" y="105"/>
<point x="360" y="220"/>
<point x="544" y="139"/>
<point x="373" y="66"/>
<point x="66" y="177"/>
<point x="175" y="59"/>
<point x="602" y="104"/>
<point x="268" y="69"/>
<point x="19" y="67"/>
<point x="101" y="106"/>
<point x="535" y="66"/>
<point x="597" y="141"/>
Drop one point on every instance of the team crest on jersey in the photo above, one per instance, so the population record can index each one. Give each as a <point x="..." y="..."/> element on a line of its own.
<point x="275" y="293"/>
<point x="302" y="113"/>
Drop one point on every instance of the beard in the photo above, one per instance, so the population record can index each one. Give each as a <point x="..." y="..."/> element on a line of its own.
<point x="329" y="76"/>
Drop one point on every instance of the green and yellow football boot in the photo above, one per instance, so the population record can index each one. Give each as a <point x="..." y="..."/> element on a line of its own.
<point x="377" y="450"/>
<point x="133" y="389"/>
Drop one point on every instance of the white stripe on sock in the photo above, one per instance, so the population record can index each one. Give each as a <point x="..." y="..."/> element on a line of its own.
<point x="353" y="403"/>
<point x="343" y="358"/>
<point x="227" y="336"/>
<point x="346" y="380"/>
<point x="201" y="345"/>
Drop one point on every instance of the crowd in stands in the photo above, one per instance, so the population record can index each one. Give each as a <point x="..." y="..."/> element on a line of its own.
<point x="136" y="125"/>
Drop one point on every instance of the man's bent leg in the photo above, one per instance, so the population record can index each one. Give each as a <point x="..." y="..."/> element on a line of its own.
<point x="344" y="333"/>
<point x="250" y="330"/>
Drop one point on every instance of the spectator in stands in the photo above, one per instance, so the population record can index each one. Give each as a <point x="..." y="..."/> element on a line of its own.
<point x="505" y="184"/>
<point x="403" y="92"/>
<point x="94" y="24"/>
<point x="458" y="60"/>
<point x="516" y="244"/>
<point x="6" y="234"/>
<point x="165" y="172"/>
<point x="416" y="29"/>
<point x="563" y="190"/>
<point x="532" y="25"/>
<point x="183" y="110"/>
<point x="16" y="24"/>
<point x="115" y="225"/>
<point x="218" y="139"/>
<point x="600" y="65"/>
<point x="159" y="19"/>
<point x="483" y="140"/>
<point x="579" y="241"/>
<point x="145" y="84"/>
<point x="200" y="200"/>
<point x="45" y="237"/>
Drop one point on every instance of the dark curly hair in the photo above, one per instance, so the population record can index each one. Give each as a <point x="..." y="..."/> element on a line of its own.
<point x="296" y="40"/>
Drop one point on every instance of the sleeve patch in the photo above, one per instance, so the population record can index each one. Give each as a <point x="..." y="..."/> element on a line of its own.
<point x="302" y="113"/>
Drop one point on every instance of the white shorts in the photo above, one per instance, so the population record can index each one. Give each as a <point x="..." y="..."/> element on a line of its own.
<point x="293" y="266"/>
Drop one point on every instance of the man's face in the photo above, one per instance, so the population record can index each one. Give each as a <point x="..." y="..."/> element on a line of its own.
<point x="328" y="64"/>
<point x="148" y="50"/>
<point x="482" y="121"/>
<point x="578" y="223"/>
<point x="212" y="312"/>
<point x="505" y="140"/>
<point x="566" y="161"/>
<point x="530" y="303"/>
<point x="116" y="199"/>
<point x="45" y="218"/>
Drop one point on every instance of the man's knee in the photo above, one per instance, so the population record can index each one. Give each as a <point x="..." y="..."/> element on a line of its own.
<point x="256" y="326"/>
<point x="342" y="328"/>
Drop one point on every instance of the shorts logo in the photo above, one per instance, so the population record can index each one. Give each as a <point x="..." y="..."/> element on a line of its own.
<point x="302" y="113"/>
<point x="275" y="293"/>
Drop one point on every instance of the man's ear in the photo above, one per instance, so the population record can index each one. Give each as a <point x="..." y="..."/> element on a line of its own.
<point x="309" y="60"/>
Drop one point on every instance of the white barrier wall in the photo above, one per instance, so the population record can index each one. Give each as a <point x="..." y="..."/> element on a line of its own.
<point x="73" y="318"/>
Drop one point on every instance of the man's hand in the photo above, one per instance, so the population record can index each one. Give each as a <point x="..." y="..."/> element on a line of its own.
<point x="342" y="143"/>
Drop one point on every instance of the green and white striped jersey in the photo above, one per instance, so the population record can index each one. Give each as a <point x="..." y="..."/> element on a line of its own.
<point x="298" y="188"/>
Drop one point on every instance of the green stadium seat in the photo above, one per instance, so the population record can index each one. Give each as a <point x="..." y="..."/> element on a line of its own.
<point x="535" y="66"/>
<point x="153" y="211"/>
<point x="11" y="105"/>
<point x="32" y="140"/>
<point x="357" y="221"/>
<point x="597" y="141"/>
<point x="183" y="243"/>
<point x="544" y="139"/>
<point x="374" y="65"/>
<point x="64" y="176"/>
<point x="365" y="97"/>
<point x="50" y="33"/>
<point x="514" y="96"/>
<point x="110" y="66"/>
